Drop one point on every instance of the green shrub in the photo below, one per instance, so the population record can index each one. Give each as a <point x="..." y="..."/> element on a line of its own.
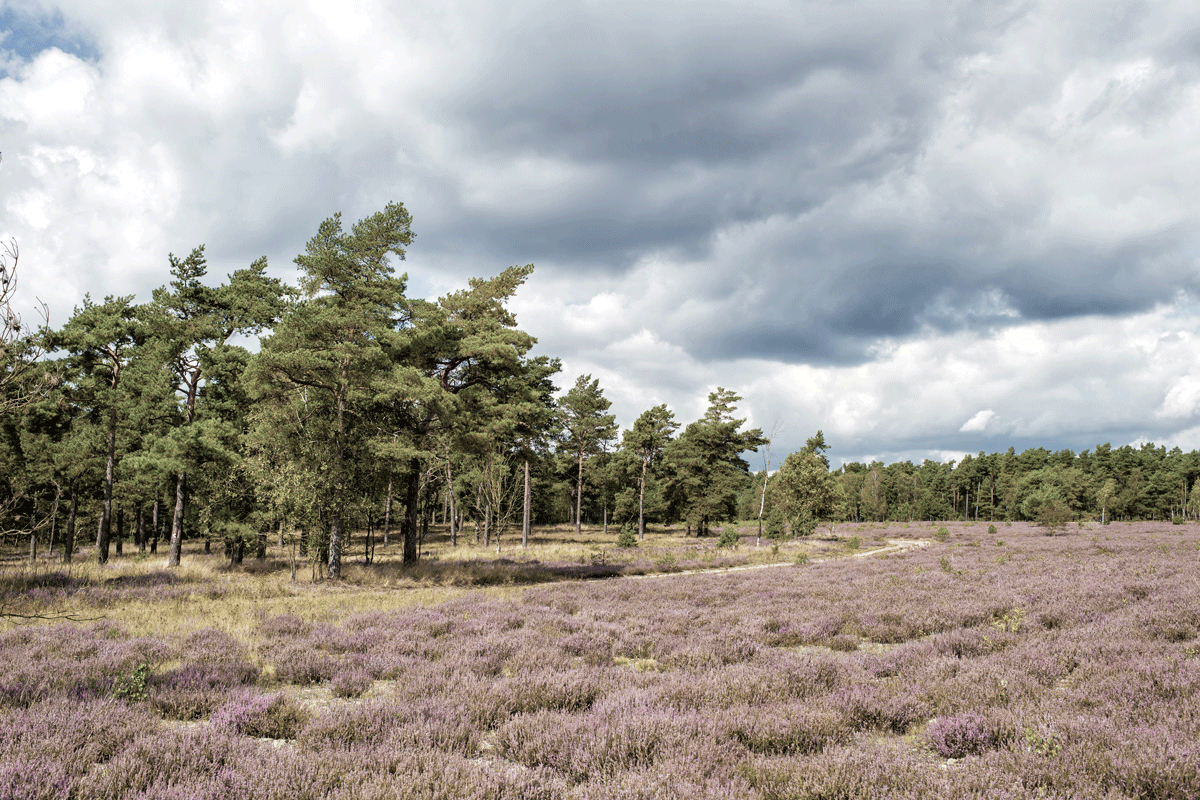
<point x="1054" y="514"/>
<point x="627" y="537"/>
<point x="133" y="686"/>
<point x="942" y="534"/>
<point x="729" y="537"/>
<point x="801" y="559"/>
<point x="854" y="543"/>
<point x="991" y="528"/>
<point x="776" y="527"/>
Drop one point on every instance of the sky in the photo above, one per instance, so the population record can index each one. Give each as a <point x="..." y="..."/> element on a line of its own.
<point x="925" y="228"/>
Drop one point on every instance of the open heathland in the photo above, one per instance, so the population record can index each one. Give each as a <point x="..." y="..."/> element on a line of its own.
<point x="997" y="661"/>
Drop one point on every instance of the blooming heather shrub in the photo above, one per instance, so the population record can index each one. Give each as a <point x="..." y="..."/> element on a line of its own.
<point x="444" y="776"/>
<point x="351" y="682"/>
<point x="491" y="703"/>
<point x="963" y="642"/>
<point x="843" y="643"/>
<point x="431" y="724"/>
<point x="74" y="660"/>
<point x="349" y="727"/>
<point x="598" y="744"/>
<point x="173" y="762"/>
<point x="267" y="716"/>
<point x="889" y="708"/>
<point x="967" y="734"/>
<point x="874" y="771"/>
<point x="799" y="728"/>
<point x="33" y="780"/>
<point x="73" y="734"/>
<point x="301" y="663"/>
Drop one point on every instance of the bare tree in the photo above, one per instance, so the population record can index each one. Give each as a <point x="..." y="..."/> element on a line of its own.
<point x="20" y="348"/>
<point x="762" y="503"/>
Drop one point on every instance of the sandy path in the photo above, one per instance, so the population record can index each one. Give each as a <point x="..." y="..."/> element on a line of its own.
<point x="893" y="546"/>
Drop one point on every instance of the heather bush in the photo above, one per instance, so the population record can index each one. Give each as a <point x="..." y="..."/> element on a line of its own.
<point x="798" y="728"/>
<point x="33" y="780"/>
<point x="267" y="716"/>
<point x="71" y="733"/>
<point x="301" y="663"/>
<point x="350" y="682"/>
<point x="967" y="734"/>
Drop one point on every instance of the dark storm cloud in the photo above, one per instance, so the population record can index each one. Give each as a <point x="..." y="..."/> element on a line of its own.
<point x="683" y="123"/>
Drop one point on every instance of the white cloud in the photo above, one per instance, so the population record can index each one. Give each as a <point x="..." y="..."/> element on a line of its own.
<point x="978" y="422"/>
<point x="1182" y="399"/>
<point x="870" y="228"/>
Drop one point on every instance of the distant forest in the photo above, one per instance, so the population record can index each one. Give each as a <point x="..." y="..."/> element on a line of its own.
<point x="366" y="409"/>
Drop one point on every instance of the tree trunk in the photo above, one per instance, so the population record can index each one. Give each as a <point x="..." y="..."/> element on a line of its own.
<point x="487" y="523"/>
<point x="141" y="528"/>
<point x="525" y="518"/>
<point x="177" y="520"/>
<point x="120" y="531"/>
<point x="335" y="541"/>
<point x="387" y="512"/>
<point x="579" y="497"/>
<point x="109" y="469"/>
<point x="450" y="502"/>
<point x="69" y="536"/>
<point x="410" y="513"/>
<point x="53" y="519"/>
<point x="642" y="503"/>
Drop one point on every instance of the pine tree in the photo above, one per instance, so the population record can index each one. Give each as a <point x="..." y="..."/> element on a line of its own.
<point x="586" y="427"/>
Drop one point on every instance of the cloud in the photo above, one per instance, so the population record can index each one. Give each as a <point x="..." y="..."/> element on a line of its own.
<point x="978" y="422"/>
<point x="875" y="219"/>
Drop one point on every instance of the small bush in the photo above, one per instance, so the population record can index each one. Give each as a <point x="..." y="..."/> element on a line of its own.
<point x="271" y="716"/>
<point x="942" y="534"/>
<point x="854" y="543"/>
<point x="776" y="528"/>
<point x="801" y="559"/>
<point x="843" y="643"/>
<point x="729" y="537"/>
<point x="133" y="686"/>
<point x="992" y="529"/>
<point x="967" y="734"/>
<point x="627" y="537"/>
<point x="350" y="683"/>
<point x="1054" y="515"/>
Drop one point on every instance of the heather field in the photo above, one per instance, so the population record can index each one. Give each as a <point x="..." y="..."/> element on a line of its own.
<point x="993" y="662"/>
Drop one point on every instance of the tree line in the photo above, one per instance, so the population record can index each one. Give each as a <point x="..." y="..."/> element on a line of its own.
<point x="365" y="409"/>
<point x="361" y="408"/>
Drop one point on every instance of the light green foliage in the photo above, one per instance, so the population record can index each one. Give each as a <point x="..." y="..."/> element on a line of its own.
<point x="804" y="488"/>
<point x="942" y="534"/>
<point x="627" y="537"/>
<point x="854" y="543"/>
<point x="135" y="686"/>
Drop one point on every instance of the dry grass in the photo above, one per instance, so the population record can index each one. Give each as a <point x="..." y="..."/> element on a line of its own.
<point x="205" y="591"/>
